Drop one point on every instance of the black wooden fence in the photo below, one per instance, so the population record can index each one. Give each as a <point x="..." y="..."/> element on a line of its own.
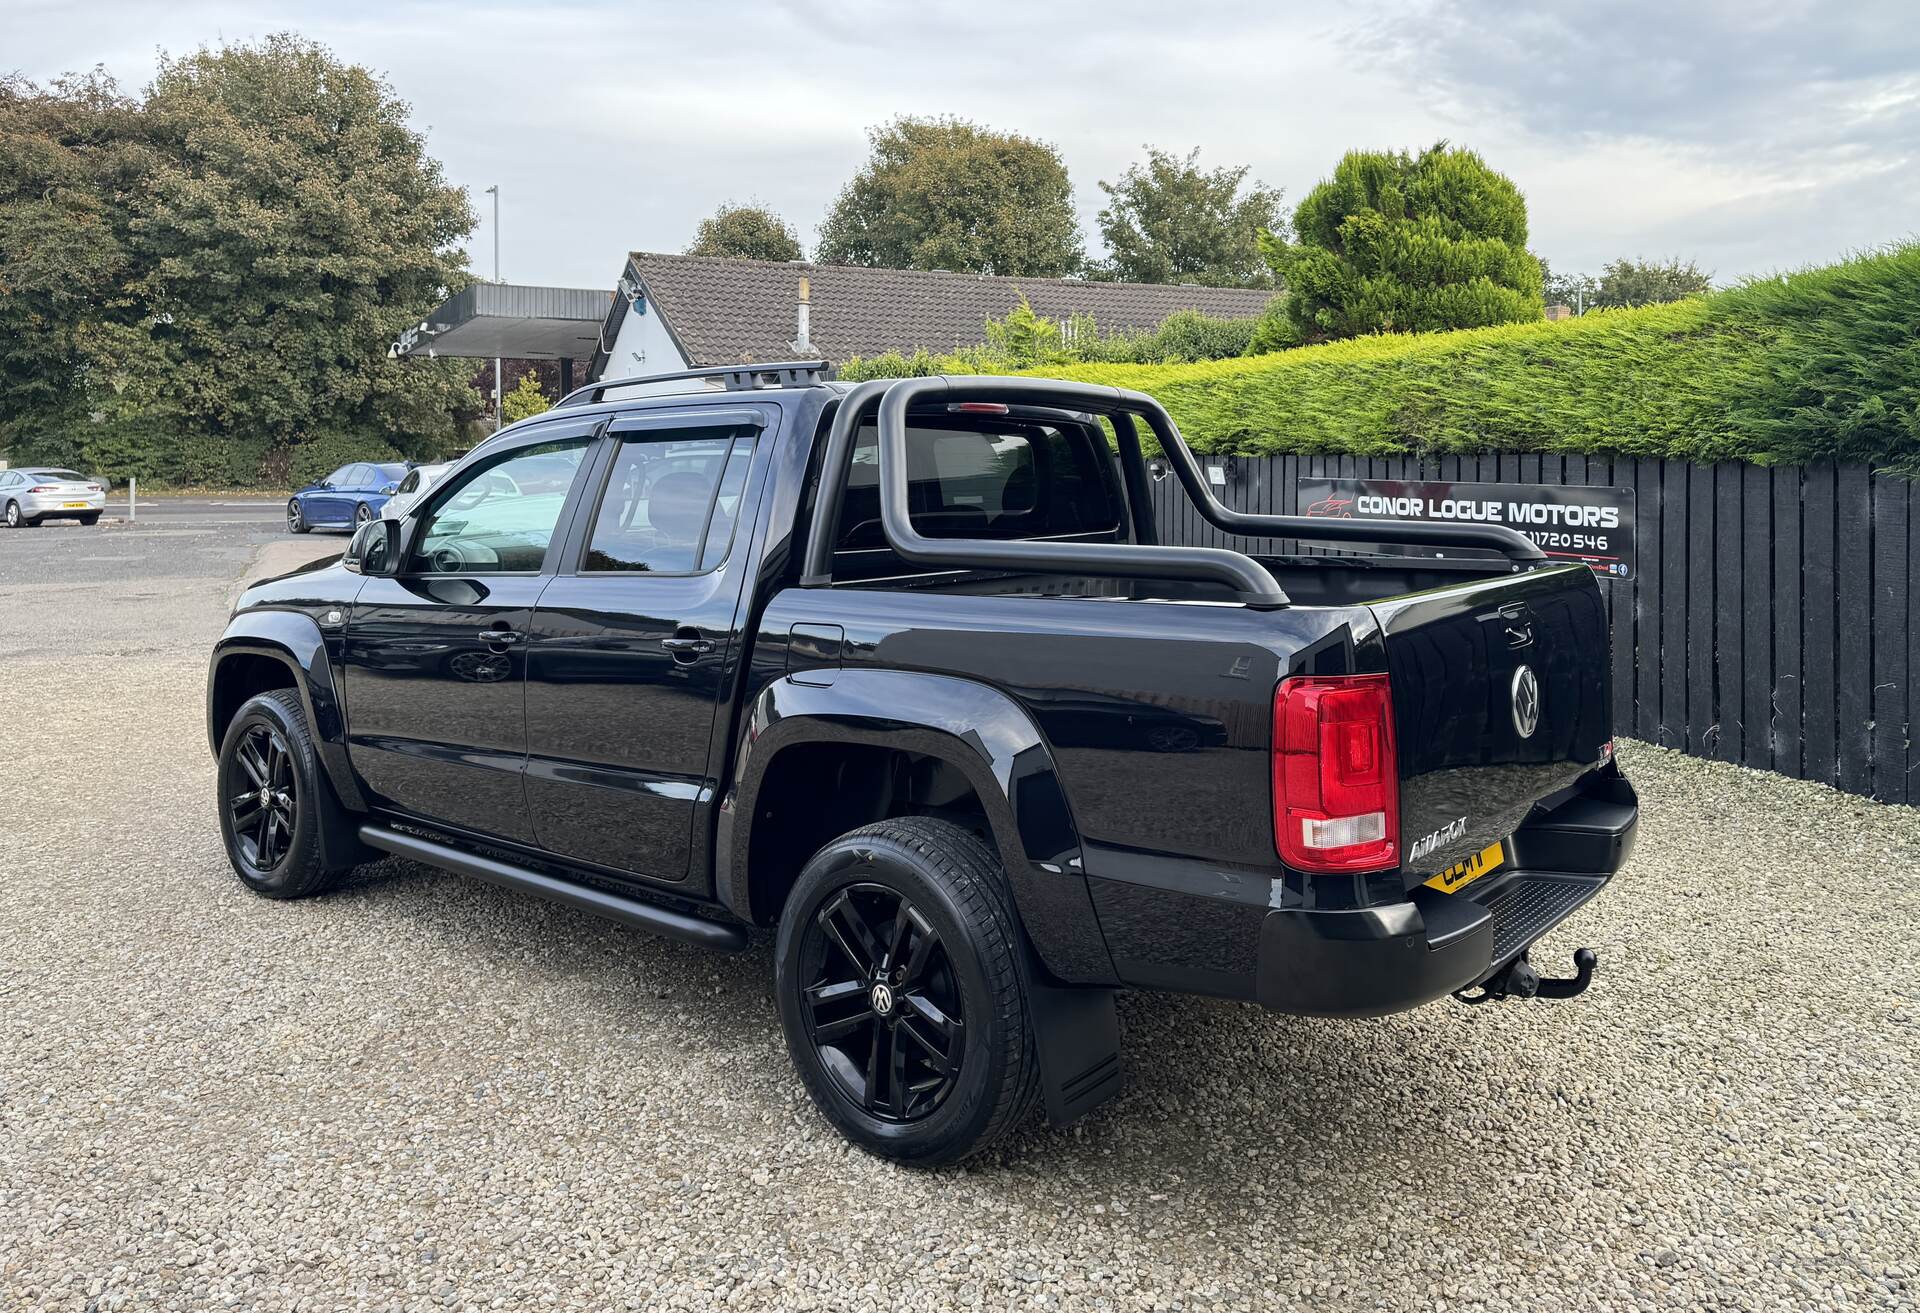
<point x="1773" y="621"/>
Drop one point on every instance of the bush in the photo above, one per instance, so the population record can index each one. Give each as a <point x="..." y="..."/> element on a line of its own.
<point x="1025" y="340"/>
<point x="1816" y="365"/>
<point x="524" y="400"/>
<point x="1403" y="243"/>
<point x="318" y="457"/>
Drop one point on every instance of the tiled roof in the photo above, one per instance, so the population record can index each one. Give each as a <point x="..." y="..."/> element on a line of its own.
<point x="724" y="311"/>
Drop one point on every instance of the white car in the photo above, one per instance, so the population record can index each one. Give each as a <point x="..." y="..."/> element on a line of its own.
<point x="42" y="493"/>
<point x="418" y="480"/>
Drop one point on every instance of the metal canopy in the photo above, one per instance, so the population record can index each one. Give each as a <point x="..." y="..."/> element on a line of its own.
<point x="517" y="323"/>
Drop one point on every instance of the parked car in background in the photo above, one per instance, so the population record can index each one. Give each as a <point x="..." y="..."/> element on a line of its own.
<point x="350" y="496"/>
<point x="31" y="495"/>
<point x="418" y="480"/>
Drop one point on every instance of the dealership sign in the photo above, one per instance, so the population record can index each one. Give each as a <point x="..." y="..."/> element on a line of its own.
<point x="1568" y="522"/>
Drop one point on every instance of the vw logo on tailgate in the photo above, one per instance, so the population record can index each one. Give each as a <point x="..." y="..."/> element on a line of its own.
<point x="1526" y="701"/>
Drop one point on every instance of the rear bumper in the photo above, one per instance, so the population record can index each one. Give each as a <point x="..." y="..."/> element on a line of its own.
<point x="1387" y="958"/>
<point x="53" y="507"/>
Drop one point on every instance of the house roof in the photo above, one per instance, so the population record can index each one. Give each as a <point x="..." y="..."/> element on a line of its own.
<point x="721" y="311"/>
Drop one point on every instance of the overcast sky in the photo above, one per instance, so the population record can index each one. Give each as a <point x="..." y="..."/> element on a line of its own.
<point x="1750" y="136"/>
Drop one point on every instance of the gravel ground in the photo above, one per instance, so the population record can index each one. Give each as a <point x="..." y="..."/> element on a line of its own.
<point x="420" y="1092"/>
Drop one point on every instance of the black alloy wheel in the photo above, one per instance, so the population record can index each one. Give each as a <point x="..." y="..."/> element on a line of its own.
<point x="263" y="798"/>
<point x="884" y="1008"/>
<point x="898" y="976"/>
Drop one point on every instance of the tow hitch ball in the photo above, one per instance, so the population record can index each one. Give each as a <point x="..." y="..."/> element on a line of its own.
<point x="1519" y="979"/>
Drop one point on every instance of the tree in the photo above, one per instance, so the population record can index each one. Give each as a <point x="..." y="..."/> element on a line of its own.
<point x="264" y="225"/>
<point x="745" y="232"/>
<point x="526" y="398"/>
<point x="1575" y="290"/>
<point x="1170" y="221"/>
<point x="944" y="193"/>
<point x="1403" y="243"/>
<point x="1650" y="282"/>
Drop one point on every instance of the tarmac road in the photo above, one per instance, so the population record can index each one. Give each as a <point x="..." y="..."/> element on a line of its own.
<point x="419" y="1092"/>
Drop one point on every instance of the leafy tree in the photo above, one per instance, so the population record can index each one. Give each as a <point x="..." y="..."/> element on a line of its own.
<point x="945" y="193"/>
<point x="1650" y="282"/>
<point x="264" y="224"/>
<point x="746" y="232"/>
<point x="1575" y="290"/>
<point x="1170" y="221"/>
<point x="69" y="158"/>
<point x="1407" y="243"/>
<point x="524" y="400"/>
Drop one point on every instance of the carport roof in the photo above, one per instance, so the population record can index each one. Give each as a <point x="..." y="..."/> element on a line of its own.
<point x="519" y="323"/>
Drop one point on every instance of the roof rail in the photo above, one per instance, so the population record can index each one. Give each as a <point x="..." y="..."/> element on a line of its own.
<point x="737" y="378"/>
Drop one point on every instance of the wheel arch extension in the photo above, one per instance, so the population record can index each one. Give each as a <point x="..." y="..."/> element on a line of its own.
<point x="816" y="760"/>
<point x="268" y="649"/>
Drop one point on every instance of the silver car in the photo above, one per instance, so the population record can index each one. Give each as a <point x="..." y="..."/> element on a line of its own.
<point x="49" y="493"/>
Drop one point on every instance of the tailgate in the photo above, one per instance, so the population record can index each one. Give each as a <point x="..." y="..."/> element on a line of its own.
<point x="1500" y="695"/>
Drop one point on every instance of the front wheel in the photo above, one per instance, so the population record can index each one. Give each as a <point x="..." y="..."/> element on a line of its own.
<point x="899" y="988"/>
<point x="270" y="797"/>
<point x="15" y="520"/>
<point x="296" y="518"/>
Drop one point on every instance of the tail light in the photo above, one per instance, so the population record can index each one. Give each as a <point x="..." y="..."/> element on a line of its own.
<point x="1336" y="775"/>
<point x="43" y="488"/>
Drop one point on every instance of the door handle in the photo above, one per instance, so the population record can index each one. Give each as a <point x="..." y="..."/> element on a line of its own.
<point x="681" y="645"/>
<point x="501" y="636"/>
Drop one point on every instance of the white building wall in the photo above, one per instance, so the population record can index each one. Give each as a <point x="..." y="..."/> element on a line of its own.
<point x="642" y="345"/>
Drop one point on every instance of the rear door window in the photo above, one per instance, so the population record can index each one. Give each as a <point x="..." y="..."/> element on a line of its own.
<point x="672" y="502"/>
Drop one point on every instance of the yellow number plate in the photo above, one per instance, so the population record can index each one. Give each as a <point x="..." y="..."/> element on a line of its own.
<point x="73" y="506"/>
<point x="1461" y="874"/>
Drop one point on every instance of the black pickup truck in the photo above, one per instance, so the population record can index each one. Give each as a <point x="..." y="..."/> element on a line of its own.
<point x="904" y="673"/>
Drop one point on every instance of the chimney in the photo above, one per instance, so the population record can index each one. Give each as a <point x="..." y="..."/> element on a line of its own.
<point x="803" y="344"/>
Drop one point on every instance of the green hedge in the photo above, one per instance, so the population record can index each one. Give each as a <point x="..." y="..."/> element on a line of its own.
<point x="1822" y="364"/>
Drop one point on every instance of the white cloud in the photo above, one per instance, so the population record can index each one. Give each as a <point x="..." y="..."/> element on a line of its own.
<point x="1748" y="137"/>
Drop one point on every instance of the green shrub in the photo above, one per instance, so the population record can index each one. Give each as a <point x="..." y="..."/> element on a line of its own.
<point x="524" y="400"/>
<point x="1823" y="364"/>
<point x="318" y="457"/>
<point x="1404" y="243"/>
<point x="1026" y="340"/>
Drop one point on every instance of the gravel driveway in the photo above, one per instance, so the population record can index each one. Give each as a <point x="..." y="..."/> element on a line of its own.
<point x="421" y="1092"/>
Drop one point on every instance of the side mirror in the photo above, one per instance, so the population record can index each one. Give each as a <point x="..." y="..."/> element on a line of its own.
<point x="389" y="489"/>
<point x="374" y="549"/>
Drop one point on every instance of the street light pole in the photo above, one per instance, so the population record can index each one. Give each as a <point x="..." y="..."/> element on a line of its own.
<point x="494" y="191"/>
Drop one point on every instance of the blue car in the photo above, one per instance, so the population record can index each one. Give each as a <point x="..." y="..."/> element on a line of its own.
<point x="345" y="499"/>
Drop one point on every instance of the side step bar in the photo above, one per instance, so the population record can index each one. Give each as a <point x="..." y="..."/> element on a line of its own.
<point x="628" y="911"/>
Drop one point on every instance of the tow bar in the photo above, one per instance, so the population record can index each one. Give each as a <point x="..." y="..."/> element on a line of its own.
<point x="1519" y="979"/>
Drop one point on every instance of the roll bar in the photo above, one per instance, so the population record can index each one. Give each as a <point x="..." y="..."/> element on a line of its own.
<point x="894" y="398"/>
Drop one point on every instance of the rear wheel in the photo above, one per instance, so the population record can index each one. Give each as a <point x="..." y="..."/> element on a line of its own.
<point x="900" y="991"/>
<point x="362" y="515"/>
<point x="90" y="519"/>
<point x="270" y="793"/>
<point x="296" y="518"/>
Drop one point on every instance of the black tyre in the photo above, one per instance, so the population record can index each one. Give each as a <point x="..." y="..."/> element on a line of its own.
<point x="899" y="988"/>
<point x="90" y="519"/>
<point x="296" y="518"/>
<point x="362" y="515"/>
<point x="270" y="787"/>
<point x="13" y="515"/>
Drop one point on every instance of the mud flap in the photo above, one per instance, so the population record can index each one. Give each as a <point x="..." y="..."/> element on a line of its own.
<point x="1076" y="1032"/>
